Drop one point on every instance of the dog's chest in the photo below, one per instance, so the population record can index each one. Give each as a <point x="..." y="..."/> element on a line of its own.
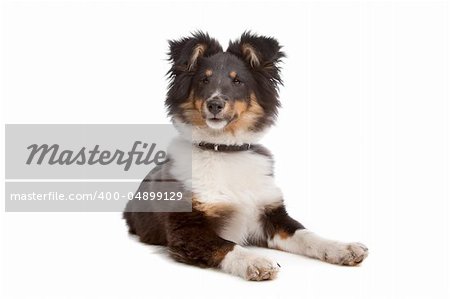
<point x="242" y="180"/>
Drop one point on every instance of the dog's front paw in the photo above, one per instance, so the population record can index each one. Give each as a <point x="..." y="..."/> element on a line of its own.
<point x="355" y="253"/>
<point x="248" y="265"/>
<point x="349" y="254"/>
<point x="260" y="268"/>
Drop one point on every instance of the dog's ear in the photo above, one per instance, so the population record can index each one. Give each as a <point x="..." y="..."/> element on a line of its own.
<point x="260" y="52"/>
<point x="185" y="52"/>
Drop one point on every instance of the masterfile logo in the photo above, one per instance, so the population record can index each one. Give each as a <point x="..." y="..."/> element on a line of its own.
<point x="52" y="154"/>
<point x="72" y="167"/>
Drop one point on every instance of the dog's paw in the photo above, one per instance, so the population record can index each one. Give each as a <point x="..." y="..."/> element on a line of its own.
<point x="248" y="265"/>
<point x="354" y="254"/>
<point x="348" y="254"/>
<point x="260" y="268"/>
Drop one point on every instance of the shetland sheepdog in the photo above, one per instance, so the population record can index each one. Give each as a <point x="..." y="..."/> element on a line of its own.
<point x="227" y="100"/>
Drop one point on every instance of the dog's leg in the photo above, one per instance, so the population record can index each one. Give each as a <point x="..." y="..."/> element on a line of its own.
<point x="192" y="240"/>
<point x="285" y="233"/>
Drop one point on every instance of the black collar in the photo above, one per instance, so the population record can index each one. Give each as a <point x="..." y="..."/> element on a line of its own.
<point x="224" y="147"/>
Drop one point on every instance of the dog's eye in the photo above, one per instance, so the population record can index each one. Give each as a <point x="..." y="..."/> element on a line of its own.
<point x="205" y="80"/>
<point x="237" y="81"/>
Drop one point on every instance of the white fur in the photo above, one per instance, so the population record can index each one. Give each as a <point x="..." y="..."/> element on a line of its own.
<point x="307" y="243"/>
<point x="251" y="266"/>
<point x="302" y="242"/>
<point x="241" y="179"/>
<point x="216" y="93"/>
<point x="217" y="125"/>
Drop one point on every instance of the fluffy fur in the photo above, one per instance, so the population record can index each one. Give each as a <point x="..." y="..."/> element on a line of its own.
<point x="231" y="98"/>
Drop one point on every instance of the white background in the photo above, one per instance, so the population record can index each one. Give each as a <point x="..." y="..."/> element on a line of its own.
<point x="361" y="146"/>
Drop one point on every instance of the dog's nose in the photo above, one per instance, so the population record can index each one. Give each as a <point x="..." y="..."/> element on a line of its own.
<point x="215" y="105"/>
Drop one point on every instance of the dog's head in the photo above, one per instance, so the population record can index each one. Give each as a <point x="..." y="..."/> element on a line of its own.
<point x="232" y="92"/>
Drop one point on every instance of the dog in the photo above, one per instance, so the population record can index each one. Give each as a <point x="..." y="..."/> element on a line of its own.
<point x="222" y="103"/>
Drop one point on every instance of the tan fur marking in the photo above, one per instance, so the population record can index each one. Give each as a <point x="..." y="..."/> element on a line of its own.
<point x="216" y="210"/>
<point x="250" y="54"/>
<point x="208" y="72"/>
<point x="189" y="104"/>
<point x="240" y="107"/>
<point x="283" y="235"/>
<point x="196" y="53"/>
<point x="247" y="117"/>
<point x="233" y="74"/>
<point x="220" y="254"/>
<point x="192" y="110"/>
<point x="198" y="104"/>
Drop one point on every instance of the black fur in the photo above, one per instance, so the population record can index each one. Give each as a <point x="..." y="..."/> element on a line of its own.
<point x="266" y="74"/>
<point x="180" y="52"/>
